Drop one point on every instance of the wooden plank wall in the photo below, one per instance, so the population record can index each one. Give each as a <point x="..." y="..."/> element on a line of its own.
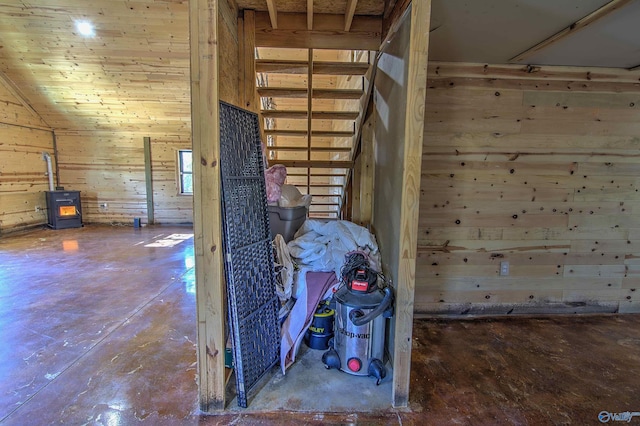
<point x="108" y="168"/>
<point x="538" y="167"/>
<point x="399" y="99"/>
<point x="23" y="172"/>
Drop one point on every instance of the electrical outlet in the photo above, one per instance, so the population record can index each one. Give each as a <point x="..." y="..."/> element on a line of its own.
<point x="504" y="268"/>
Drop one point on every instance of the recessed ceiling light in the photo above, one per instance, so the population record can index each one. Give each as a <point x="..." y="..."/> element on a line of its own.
<point x="85" y="28"/>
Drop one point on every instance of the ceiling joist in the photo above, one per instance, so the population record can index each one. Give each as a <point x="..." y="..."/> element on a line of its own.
<point x="594" y="16"/>
<point x="309" y="15"/>
<point x="348" y="16"/>
<point x="328" y="32"/>
<point x="273" y="13"/>
<point x="13" y="89"/>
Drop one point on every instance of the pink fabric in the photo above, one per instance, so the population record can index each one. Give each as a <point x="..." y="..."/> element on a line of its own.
<point x="301" y="315"/>
<point x="275" y="177"/>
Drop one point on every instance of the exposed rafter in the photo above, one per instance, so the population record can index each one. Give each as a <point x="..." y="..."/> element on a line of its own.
<point x="13" y="89"/>
<point x="273" y="13"/>
<point x="348" y="15"/>
<point x="365" y="32"/>
<point x="594" y="16"/>
<point x="309" y="15"/>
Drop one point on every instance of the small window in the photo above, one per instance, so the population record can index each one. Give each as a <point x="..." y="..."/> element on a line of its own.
<point x="185" y="172"/>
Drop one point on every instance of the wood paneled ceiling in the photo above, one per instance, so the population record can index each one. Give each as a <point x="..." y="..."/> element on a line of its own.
<point x="133" y="75"/>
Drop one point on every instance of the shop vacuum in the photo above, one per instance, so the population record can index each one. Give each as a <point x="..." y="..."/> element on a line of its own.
<point x="361" y="310"/>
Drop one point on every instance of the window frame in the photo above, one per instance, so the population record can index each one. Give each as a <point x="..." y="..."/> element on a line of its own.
<point x="181" y="172"/>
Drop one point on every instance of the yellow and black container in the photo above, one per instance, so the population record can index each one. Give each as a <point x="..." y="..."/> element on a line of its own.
<point x="321" y="329"/>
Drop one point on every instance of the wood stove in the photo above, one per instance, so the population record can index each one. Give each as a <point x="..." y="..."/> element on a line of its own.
<point x="64" y="209"/>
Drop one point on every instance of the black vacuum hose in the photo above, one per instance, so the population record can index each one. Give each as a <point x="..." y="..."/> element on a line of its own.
<point x="358" y="319"/>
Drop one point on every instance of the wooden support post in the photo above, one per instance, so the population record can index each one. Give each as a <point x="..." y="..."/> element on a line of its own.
<point x="310" y="15"/>
<point x="409" y="209"/>
<point x="148" y="178"/>
<point x="309" y="114"/>
<point x="367" y="173"/>
<point x="248" y="62"/>
<point x="210" y="298"/>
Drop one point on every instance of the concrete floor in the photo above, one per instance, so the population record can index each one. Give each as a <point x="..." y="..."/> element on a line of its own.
<point x="96" y="328"/>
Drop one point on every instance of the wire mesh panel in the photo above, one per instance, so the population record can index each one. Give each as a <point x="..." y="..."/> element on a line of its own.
<point x="249" y="266"/>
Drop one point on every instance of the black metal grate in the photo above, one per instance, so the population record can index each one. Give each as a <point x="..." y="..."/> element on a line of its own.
<point x="249" y="265"/>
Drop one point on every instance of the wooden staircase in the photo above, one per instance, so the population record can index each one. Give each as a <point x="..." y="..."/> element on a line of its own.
<point x="311" y="105"/>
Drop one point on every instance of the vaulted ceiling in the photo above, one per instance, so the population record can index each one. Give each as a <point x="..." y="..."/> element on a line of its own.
<point x="133" y="73"/>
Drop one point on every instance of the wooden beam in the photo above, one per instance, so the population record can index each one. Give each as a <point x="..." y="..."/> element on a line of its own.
<point x="348" y="15"/>
<point x="309" y="109"/>
<point x="304" y="148"/>
<point x="314" y="133"/>
<point x="210" y="294"/>
<point x="553" y="77"/>
<point x="581" y="24"/>
<point x="148" y="178"/>
<point x="318" y="115"/>
<point x="13" y="89"/>
<point x="301" y="67"/>
<point x="251" y="100"/>
<point x="281" y="66"/>
<point x="282" y="92"/>
<point x="340" y="175"/>
<point x="337" y="94"/>
<point x="293" y="114"/>
<point x="416" y="85"/>
<point x="341" y="68"/>
<point x="273" y="13"/>
<point x="367" y="173"/>
<point x="335" y="115"/>
<point x="295" y="92"/>
<point x="325" y="164"/>
<point x="309" y="15"/>
<point x="393" y="12"/>
<point x="328" y="32"/>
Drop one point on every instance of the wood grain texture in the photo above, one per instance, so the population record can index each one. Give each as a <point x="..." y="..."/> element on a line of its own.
<point x="398" y="133"/>
<point x="580" y="24"/>
<point x="210" y="300"/>
<point x="23" y="172"/>
<point x="537" y="167"/>
<point x="328" y="32"/>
